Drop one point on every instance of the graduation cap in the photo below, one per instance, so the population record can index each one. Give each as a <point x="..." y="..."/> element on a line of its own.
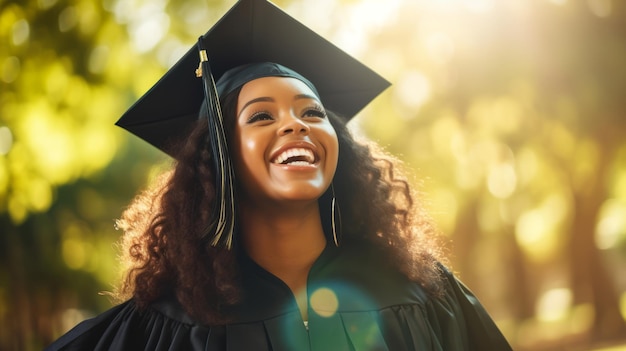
<point x="251" y="32"/>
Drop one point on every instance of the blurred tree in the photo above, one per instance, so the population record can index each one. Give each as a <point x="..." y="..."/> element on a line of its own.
<point x="65" y="74"/>
<point x="520" y="122"/>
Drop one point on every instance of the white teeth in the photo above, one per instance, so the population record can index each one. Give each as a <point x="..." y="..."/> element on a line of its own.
<point x="300" y="163"/>
<point x="298" y="152"/>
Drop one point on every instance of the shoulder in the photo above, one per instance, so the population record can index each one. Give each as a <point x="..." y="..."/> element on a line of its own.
<point x="126" y="327"/>
<point x="88" y="333"/>
<point x="364" y="283"/>
<point x="364" y="271"/>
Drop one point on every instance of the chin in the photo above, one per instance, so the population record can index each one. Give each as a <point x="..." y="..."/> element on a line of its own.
<point x="302" y="194"/>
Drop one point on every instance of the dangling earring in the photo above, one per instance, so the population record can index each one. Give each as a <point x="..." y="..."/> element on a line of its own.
<point x="335" y="217"/>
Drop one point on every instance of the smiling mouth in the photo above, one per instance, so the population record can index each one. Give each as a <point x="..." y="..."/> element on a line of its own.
<point x="296" y="157"/>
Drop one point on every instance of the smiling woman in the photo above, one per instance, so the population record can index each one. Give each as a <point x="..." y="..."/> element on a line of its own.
<point x="276" y="230"/>
<point x="284" y="145"/>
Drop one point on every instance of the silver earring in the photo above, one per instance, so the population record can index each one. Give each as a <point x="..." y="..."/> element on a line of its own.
<point x="335" y="217"/>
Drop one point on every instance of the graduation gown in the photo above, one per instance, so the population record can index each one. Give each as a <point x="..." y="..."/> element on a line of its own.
<point x="356" y="302"/>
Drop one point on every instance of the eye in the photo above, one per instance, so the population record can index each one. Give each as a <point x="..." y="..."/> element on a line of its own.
<point x="314" y="111"/>
<point x="259" y="116"/>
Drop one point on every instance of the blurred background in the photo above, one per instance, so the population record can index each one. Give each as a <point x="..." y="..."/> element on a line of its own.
<point x="509" y="114"/>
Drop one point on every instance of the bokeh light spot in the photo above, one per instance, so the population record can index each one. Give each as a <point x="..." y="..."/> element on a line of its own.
<point x="502" y="180"/>
<point x="611" y="228"/>
<point x="554" y="304"/>
<point x="4" y="178"/>
<point x="98" y="59"/>
<point x="10" y="69"/>
<point x="46" y="4"/>
<point x="17" y="209"/>
<point x="39" y="194"/>
<point x="68" y="19"/>
<point x="6" y="140"/>
<point x="537" y="231"/>
<point x="74" y="254"/>
<point x="324" y="302"/>
<point x="21" y="32"/>
<point x="149" y="26"/>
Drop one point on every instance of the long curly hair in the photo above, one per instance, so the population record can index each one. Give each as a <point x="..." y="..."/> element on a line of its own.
<point x="165" y="253"/>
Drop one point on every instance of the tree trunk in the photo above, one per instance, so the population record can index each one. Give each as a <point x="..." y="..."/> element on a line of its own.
<point x="591" y="282"/>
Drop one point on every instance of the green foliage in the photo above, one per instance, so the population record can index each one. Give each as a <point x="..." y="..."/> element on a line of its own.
<point x="66" y="172"/>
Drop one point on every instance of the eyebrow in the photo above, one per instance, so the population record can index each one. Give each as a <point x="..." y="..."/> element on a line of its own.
<point x="259" y="99"/>
<point x="307" y="96"/>
<point x="269" y="99"/>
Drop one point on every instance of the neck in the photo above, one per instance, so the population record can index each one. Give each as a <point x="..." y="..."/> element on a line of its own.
<point x="286" y="241"/>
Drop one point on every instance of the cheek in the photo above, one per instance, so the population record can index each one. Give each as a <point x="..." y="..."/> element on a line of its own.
<point x="248" y="152"/>
<point x="332" y="144"/>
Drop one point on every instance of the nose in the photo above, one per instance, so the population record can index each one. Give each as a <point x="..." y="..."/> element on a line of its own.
<point x="294" y="125"/>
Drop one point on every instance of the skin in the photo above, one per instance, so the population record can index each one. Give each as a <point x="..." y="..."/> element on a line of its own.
<point x="281" y="226"/>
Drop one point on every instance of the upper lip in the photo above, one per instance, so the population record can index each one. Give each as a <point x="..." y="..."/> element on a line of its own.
<point x="279" y="156"/>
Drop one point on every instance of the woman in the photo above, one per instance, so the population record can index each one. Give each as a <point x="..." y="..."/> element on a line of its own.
<point x="276" y="230"/>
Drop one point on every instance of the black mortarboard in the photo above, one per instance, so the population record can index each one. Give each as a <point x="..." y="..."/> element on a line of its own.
<point x="251" y="32"/>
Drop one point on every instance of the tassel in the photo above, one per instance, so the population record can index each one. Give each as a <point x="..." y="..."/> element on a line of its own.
<point x="222" y="223"/>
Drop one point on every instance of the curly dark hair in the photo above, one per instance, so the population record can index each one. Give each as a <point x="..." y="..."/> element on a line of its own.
<point x="166" y="254"/>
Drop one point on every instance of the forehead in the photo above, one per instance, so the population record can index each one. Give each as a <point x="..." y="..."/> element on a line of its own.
<point x="274" y="87"/>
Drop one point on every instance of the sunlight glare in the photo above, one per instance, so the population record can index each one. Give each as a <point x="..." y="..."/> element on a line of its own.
<point x="479" y="6"/>
<point x="149" y="28"/>
<point x="440" y="47"/>
<point x="374" y="13"/>
<point x="363" y="18"/>
<point x="147" y="23"/>
<point x="413" y="90"/>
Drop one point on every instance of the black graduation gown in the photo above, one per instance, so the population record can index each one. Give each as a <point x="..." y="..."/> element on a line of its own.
<point x="356" y="302"/>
